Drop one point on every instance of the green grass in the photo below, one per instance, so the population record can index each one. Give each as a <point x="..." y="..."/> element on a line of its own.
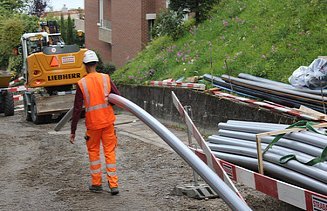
<point x="263" y="37"/>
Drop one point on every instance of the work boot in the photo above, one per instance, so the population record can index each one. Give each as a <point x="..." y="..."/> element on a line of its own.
<point x="96" y="188"/>
<point x="114" y="191"/>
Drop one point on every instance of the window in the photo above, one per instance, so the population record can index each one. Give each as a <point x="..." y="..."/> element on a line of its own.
<point x="150" y="29"/>
<point x="100" y="13"/>
<point x="103" y="23"/>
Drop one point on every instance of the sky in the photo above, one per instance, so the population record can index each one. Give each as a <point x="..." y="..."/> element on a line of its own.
<point x="71" y="4"/>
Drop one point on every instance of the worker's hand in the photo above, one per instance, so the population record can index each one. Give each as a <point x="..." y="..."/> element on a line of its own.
<point x="72" y="138"/>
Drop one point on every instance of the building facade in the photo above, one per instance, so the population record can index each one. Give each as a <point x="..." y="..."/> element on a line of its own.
<point x="119" y="29"/>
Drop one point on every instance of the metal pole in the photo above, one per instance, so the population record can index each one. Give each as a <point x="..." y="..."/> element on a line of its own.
<point x="64" y="120"/>
<point x="189" y="136"/>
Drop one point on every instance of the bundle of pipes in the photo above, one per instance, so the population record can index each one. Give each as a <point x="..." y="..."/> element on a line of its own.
<point x="236" y="142"/>
<point x="270" y="90"/>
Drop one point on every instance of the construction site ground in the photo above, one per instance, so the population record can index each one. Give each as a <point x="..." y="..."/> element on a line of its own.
<point x="41" y="170"/>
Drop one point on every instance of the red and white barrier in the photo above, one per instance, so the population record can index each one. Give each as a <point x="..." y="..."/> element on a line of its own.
<point x="17" y="89"/>
<point x="178" y="84"/>
<point x="275" y="107"/>
<point x="210" y="158"/>
<point x="16" y="80"/>
<point x="18" y="97"/>
<point x="288" y="193"/>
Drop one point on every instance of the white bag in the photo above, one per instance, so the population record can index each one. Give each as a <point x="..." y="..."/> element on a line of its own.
<point x="313" y="77"/>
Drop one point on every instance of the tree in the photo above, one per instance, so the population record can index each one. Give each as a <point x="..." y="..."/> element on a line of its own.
<point x="12" y="5"/>
<point x="70" y="33"/>
<point x="9" y="40"/>
<point x="16" y="25"/>
<point x="63" y="28"/>
<point x="13" y="23"/>
<point x="37" y="7"/>
<point x="199" y="7"/>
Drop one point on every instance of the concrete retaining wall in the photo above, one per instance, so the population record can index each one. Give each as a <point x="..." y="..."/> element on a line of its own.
<point x="207" y="110"/>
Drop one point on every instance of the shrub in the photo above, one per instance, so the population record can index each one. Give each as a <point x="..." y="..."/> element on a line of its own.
<point x="15" y="64"/>
<point x="108" y="69"/>
<point x="105" y="68"/>
<point x="199" y="8"/>
<point x="169" y="23"/>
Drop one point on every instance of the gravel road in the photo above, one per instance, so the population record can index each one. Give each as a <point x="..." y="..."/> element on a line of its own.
<point x="41" y="170"/>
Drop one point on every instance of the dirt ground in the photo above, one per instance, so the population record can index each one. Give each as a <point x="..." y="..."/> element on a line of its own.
<point x="41" y="170"/>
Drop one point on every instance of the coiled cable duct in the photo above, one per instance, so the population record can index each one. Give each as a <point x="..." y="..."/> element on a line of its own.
<point x="299" y="146"/>
<point x="276" y="171"/>
<point x="273" y="158"/>
<point x="276" y="149"/>
<point x="313" y="141"/>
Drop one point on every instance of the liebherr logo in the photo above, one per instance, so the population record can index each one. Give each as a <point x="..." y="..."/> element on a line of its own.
<point x="63" y="76"/>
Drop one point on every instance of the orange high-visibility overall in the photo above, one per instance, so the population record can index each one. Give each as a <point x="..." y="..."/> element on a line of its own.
<point x="99" y="120"/>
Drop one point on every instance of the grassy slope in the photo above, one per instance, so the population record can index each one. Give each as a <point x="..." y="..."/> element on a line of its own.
<point x="263" y="37"/>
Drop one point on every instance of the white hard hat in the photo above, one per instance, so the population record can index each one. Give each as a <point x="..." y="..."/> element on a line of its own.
<point x="90" y="56"/>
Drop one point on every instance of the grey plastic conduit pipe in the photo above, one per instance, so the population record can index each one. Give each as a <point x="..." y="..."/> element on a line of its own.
<point x="274" y="88"/>
<point x="316" y="139"/>
<point x="276" y="149"/>
<point x="276" y="127"/>
<point x="276" y="171"/>
<point x="312" y="143"/>
<point x="273" y="158"/>
<point x="258" y="93"/>
<point x="229" y="196"/>
<point x="299" y="146"/>
<point x="272" y="126"/>
<point x="286" y="86"/>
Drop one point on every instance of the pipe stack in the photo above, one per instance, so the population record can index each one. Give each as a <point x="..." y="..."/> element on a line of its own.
<point x="236" y="142"/>
<point x="285" y="94"/>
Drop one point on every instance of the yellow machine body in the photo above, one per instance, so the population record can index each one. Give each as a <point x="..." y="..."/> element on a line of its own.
<point x="46" y="70"/>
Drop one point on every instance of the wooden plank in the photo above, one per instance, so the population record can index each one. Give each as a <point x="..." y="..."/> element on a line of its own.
<point x="312" y="112"/>
<point x="259" y="153"/>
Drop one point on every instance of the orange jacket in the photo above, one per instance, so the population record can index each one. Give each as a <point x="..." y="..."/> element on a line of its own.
<point x="98" y="112"/>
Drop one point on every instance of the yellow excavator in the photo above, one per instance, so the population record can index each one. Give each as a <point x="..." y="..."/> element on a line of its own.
<point x="50" y="69"/>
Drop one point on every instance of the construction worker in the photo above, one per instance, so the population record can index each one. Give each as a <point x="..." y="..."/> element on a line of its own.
<point x="94" y="89"/>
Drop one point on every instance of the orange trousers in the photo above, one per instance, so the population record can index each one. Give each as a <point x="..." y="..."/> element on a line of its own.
<point x="109" y="143"/>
